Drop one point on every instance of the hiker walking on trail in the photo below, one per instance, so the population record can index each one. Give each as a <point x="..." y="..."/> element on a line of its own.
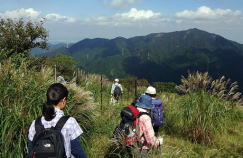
<point x="61" y="80"/>
<point x="157" y="112"/>
<point x="145" y="129"/>
<point x="54" y="134"/>
<point x="116" y="90"/>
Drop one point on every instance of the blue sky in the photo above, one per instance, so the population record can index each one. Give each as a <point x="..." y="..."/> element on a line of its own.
<point x="74" y="20"/>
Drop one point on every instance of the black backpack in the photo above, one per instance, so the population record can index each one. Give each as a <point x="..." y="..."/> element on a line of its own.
<point x="49" y="142"/>
<point x="117" y="92"/>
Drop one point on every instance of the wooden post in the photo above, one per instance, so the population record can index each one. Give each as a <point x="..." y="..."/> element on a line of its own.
<point x="101" y="92"/>
<point x="135" y="86"/>
<point x="55" y="73"/>
<point x="77" y="76"/>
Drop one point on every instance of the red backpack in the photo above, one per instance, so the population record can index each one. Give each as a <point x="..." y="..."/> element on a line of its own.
<point x="128" y="123"/>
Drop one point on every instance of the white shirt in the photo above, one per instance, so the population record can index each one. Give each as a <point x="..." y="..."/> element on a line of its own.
<point x="70" y="131"/>
<point x="114" y="85"/>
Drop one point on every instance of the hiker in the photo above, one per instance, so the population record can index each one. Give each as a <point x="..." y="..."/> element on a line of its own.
<point x="157" y="112"/>
<point x="116" y="90"/>
<point x="136" y="128"/>
<point x="61" y="80"/>
<point x="145" y="130"/>
<point x="54" y="125"/>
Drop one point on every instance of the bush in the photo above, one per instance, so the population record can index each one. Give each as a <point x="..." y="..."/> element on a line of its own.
<point x="165" y="87"/>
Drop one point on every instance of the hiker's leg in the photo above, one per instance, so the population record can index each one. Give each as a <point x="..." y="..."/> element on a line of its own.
<point x="156" y="130"/>
<point x="144" y="153"/>
<point x="129" y="151"/>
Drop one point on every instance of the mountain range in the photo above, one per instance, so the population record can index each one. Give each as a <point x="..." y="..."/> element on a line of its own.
<point x="159" y="56"/>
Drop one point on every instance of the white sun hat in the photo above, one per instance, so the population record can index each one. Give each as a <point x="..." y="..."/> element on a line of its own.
<point x="116" y="80"/>
<point x="150" y="90"/>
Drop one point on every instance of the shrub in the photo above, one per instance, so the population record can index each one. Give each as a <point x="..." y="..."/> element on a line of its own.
<point x="165" y="87"/>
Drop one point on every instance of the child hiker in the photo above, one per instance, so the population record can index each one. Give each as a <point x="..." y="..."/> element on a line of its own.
<point x="54" y="134"/>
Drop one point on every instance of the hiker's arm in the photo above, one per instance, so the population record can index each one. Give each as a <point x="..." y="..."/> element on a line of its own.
<point x="76" y="148"/>
<point x="112" y="89"/>
<point x="121" y="88"/>
<point x="31" y="135"/>
<point x="149" y="132"/>
<point x="30" y="146"/>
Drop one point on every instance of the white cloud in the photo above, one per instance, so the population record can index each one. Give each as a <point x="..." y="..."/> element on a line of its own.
<point x="32" y="14"/>
<point x="58" y="17"/>
<point x="121" y="3"/>
<point x="206" y="13"/>
<point x="133" y="16"/>
<point x="21" y="13"/>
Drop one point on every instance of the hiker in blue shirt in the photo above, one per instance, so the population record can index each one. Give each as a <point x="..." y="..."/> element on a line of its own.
<point x="157" y="112"/>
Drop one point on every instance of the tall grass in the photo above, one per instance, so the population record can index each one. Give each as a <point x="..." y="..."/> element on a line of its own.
<point x="206" y="109"/>
<point x="22" y="95"/>
<point x="198" y="116"/>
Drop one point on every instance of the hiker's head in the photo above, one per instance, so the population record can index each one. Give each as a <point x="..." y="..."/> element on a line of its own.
<point x="151" y="91"/>
<point x="116" y="80"/>
<point x="145" y="102"/>
<point x="56" y="97"/>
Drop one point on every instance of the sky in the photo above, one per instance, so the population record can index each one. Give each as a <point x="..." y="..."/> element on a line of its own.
<point x="75" y="20"/>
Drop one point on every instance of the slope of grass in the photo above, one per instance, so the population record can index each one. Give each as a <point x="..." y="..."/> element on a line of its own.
<point x="176" y="143"/>
<point x="23" y="92"/>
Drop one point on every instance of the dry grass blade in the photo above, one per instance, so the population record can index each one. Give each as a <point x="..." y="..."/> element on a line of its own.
<point x="220" y="88"/>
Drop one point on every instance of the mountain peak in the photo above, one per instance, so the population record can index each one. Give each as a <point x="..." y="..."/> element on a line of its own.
<point x="196" y="30"/>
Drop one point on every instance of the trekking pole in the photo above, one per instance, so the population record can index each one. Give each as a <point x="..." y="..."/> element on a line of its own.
<point x="101" y="96"/>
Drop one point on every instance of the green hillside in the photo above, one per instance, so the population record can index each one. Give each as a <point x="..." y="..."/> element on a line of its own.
<point x="160" y="56"/>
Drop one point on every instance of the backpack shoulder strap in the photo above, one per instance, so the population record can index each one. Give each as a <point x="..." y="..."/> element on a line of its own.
<point x="61" y="122"/>
<point x="38" y="125"/>
<point x="143" y="113"/>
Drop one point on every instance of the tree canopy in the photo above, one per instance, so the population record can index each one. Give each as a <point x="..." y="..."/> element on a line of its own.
<point x="17" y="37"/>
<point x="65" y="64"/>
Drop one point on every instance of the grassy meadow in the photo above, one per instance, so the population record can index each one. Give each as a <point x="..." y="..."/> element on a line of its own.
<point x="199" y="124"/>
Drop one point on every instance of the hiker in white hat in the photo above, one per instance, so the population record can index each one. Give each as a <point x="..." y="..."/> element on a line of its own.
<point x="116" y="90"/>
<point x="157" y="112"/>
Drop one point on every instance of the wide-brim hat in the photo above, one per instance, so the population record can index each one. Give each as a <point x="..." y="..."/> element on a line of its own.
<point x="145" y="102"/>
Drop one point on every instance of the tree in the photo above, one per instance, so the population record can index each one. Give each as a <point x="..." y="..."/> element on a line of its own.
<point x="18" y="37"/>
<point x="65" y="65"/>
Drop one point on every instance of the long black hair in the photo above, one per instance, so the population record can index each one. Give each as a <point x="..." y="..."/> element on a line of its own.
<point x="55" y="93"/>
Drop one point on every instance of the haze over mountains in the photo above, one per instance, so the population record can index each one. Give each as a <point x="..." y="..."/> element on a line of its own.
<point x="159" y="56"/>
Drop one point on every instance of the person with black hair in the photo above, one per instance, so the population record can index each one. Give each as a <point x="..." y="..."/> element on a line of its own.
<point x="52" y="115"/>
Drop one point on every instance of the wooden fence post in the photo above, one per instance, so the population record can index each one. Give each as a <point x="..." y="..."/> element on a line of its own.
<point x="101" y="92"/>
<point x="135" y="86"/>
<point x="55" y="73"/>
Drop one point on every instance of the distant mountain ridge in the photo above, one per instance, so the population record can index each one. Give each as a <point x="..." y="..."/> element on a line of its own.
<point x="160" y="56"/>
<point x="51" y="47"/>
